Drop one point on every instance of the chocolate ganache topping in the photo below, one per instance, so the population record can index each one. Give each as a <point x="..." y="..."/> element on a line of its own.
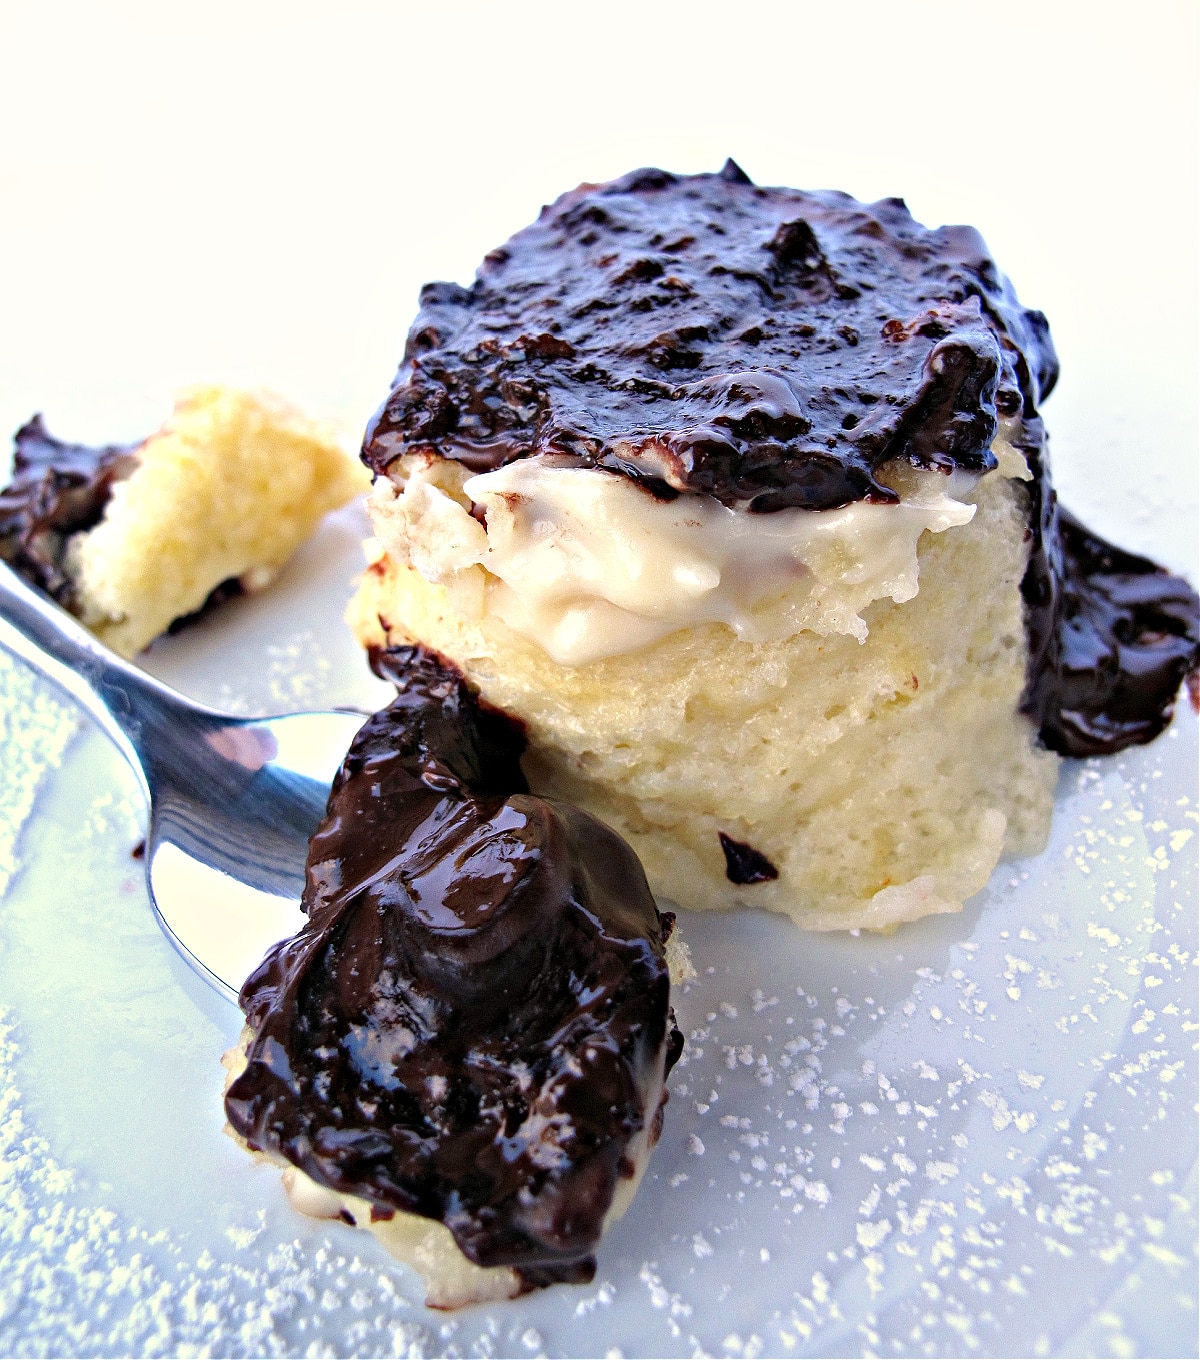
<point x="470" y="1023"/>
<point x="56" y="490"/>
<point x="701" y="334"/>
<point x="706" y="334"/>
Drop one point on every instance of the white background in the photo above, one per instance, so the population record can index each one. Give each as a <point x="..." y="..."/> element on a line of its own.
<point x="255" y="192"/>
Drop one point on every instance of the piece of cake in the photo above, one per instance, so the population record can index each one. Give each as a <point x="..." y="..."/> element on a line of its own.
<point x="739" y="498"/>
<point x="136" y="539"/>
<point x="464" y="1050"/>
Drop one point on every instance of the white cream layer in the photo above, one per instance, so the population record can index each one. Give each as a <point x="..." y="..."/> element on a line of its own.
<point x="588" y="565"/>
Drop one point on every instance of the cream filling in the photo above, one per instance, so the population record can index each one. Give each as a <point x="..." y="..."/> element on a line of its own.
<point x="588" y="565"/>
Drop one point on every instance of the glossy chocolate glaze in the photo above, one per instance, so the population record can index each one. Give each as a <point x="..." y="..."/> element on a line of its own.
<point x="701" y="334"/>
<point x="1111" y="635"/>
<point x="760" y="345"/>
<point x="56" y="489"/>
<point x="466" y="1027"/>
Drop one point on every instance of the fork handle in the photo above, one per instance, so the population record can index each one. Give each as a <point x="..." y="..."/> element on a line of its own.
<point x="123" y="700"/>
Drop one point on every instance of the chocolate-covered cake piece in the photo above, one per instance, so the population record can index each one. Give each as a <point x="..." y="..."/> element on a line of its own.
<point x="140" y="540"/>
<point x="474" y="1025"/>
<point x="740" y="498"/>
<point x="55" y="490"/>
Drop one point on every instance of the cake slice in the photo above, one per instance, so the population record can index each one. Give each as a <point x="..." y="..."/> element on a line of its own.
<point x="136" y="539"/>
<point x="739" y="498"/>
<point x="464" y="1050"/>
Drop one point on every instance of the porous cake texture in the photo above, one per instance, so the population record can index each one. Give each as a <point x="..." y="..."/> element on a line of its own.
<point x="226" y="491"/>
<point x="740" y="498"/>
<point x="880" y="780"/>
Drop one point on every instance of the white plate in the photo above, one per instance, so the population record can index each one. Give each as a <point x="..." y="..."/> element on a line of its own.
<point x="973" y="1137"/>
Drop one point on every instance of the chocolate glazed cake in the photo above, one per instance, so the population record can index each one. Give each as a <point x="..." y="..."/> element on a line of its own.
<point x="739" y="497"/>
<point x="465" y="1048"/>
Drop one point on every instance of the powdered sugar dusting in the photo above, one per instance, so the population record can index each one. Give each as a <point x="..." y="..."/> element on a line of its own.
<point x="985" y="1107"/>
<point x="961" y="1139"/>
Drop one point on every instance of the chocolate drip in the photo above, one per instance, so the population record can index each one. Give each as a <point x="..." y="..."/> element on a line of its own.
<point x="56" y="490"/>
<point x="760" y="345"/>
<point x="467" y="1026"/>
<point x="1111" y="635"/>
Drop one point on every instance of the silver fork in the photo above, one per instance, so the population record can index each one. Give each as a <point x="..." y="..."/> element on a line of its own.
<point x="232" y="801"/>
